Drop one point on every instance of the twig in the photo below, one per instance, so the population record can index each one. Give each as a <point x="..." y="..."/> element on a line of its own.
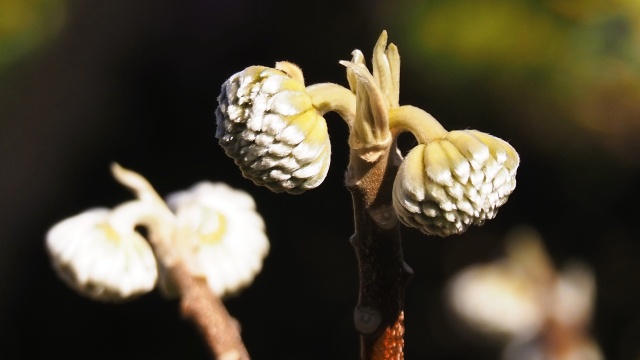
<point x="384" y="275"/>
<point x="205" y="309"/>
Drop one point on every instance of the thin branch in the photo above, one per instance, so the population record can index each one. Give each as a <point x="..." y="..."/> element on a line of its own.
<point x="205" y="309"/>
<point x="384" y="275"/>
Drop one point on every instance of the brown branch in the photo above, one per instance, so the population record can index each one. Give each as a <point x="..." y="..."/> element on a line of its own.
<point x="205" y="309"/>
<point x="383" y="273"/>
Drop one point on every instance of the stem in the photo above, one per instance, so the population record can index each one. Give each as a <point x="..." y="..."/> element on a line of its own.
<point x="383" y="273"/>
<point x="136" y="183"/>
<point x="327" y="97"/>
<point x="205" y="309"/>
<point x="417" y="121"/>
<point x="200" y="305"/>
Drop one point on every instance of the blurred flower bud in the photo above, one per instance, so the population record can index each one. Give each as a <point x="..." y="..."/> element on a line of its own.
<point x="496" y="300"/>
<point x="574" y="295"/>
<point x="100" y="260"/>
<point x="266" y="122"/>
<point x="538" y="348"/>
<point x="221" y="235"/>
<point x="523" y="300"/>
<point x="448" y="184"/>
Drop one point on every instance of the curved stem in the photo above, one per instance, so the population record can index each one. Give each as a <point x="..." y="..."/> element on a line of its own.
<point x="417" y="121"/>
<point x="125" y="217"/>
<point x="327" y="97"/>
<point x="149" y="210"/>
<point x="136" y="183"/>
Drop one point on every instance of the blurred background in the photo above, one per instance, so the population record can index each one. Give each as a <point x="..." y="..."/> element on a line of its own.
<point x="84" y="83"/>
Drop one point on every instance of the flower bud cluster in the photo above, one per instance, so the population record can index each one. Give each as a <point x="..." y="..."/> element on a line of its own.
<point x="272" y="126"/>
<point x="447" y="185"/>
<point x="213" y="229"/>
<point x="266" y="122"/>
<point x="515" y="298"/>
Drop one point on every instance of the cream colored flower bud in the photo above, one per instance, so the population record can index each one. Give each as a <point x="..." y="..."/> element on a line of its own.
<point x="495" y="300"/>
<point x="266" y="122"/>
<point x="221" y="235"/>
<point x="448" y="184"/>
<point x="100" y="260"/>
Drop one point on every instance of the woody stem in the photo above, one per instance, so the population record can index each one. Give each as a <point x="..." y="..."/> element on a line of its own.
<point x="205" y="309"/>
<point x="383" y="273"/>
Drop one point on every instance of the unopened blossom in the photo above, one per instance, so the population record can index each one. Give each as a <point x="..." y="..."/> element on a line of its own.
<point x="266" y="122"/>
<point x="221" y="235"/>
<point x="101" y="259"/>
<point x="539" y="312"/>
<point x="574" y="294"/>
<point x="450" y="183"/>
<point x="496" y="300"/>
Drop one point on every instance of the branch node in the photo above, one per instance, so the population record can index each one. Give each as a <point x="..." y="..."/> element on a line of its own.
<point x="367" y="319"/>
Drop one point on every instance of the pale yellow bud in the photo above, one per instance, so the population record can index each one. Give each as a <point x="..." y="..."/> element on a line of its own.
<point x="266" y="122"/>
<point x="450" y="183"/>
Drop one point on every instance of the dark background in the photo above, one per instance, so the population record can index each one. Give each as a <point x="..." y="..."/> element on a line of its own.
<point x="136" y="82"/>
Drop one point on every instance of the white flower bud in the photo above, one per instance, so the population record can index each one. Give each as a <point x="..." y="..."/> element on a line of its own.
<point x="221" y="235"/>
<point x="573" y="295"/>
<point x="448" y="184"/>
<point x="268" y="125"/>
<point x="99" y="260"/>
<point x="496" y="300"/>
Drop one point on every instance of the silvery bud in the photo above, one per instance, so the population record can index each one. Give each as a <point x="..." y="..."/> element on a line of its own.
<point x="266" y="122"/>
<point x="448" y="184"/>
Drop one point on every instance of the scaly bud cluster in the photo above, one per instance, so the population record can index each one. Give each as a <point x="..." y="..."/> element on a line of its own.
<point x="272" y="126"/>
<point x="266" y="122"/>
<point x="448" y="184"/>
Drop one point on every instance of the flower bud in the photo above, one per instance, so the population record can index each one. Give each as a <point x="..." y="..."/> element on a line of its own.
<point x="448" y="184"/>
<point x="266" y="122"/>
<point x="100" y="260"/>
<point x="221" y="235"/>
<point x="496" y="300"/>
